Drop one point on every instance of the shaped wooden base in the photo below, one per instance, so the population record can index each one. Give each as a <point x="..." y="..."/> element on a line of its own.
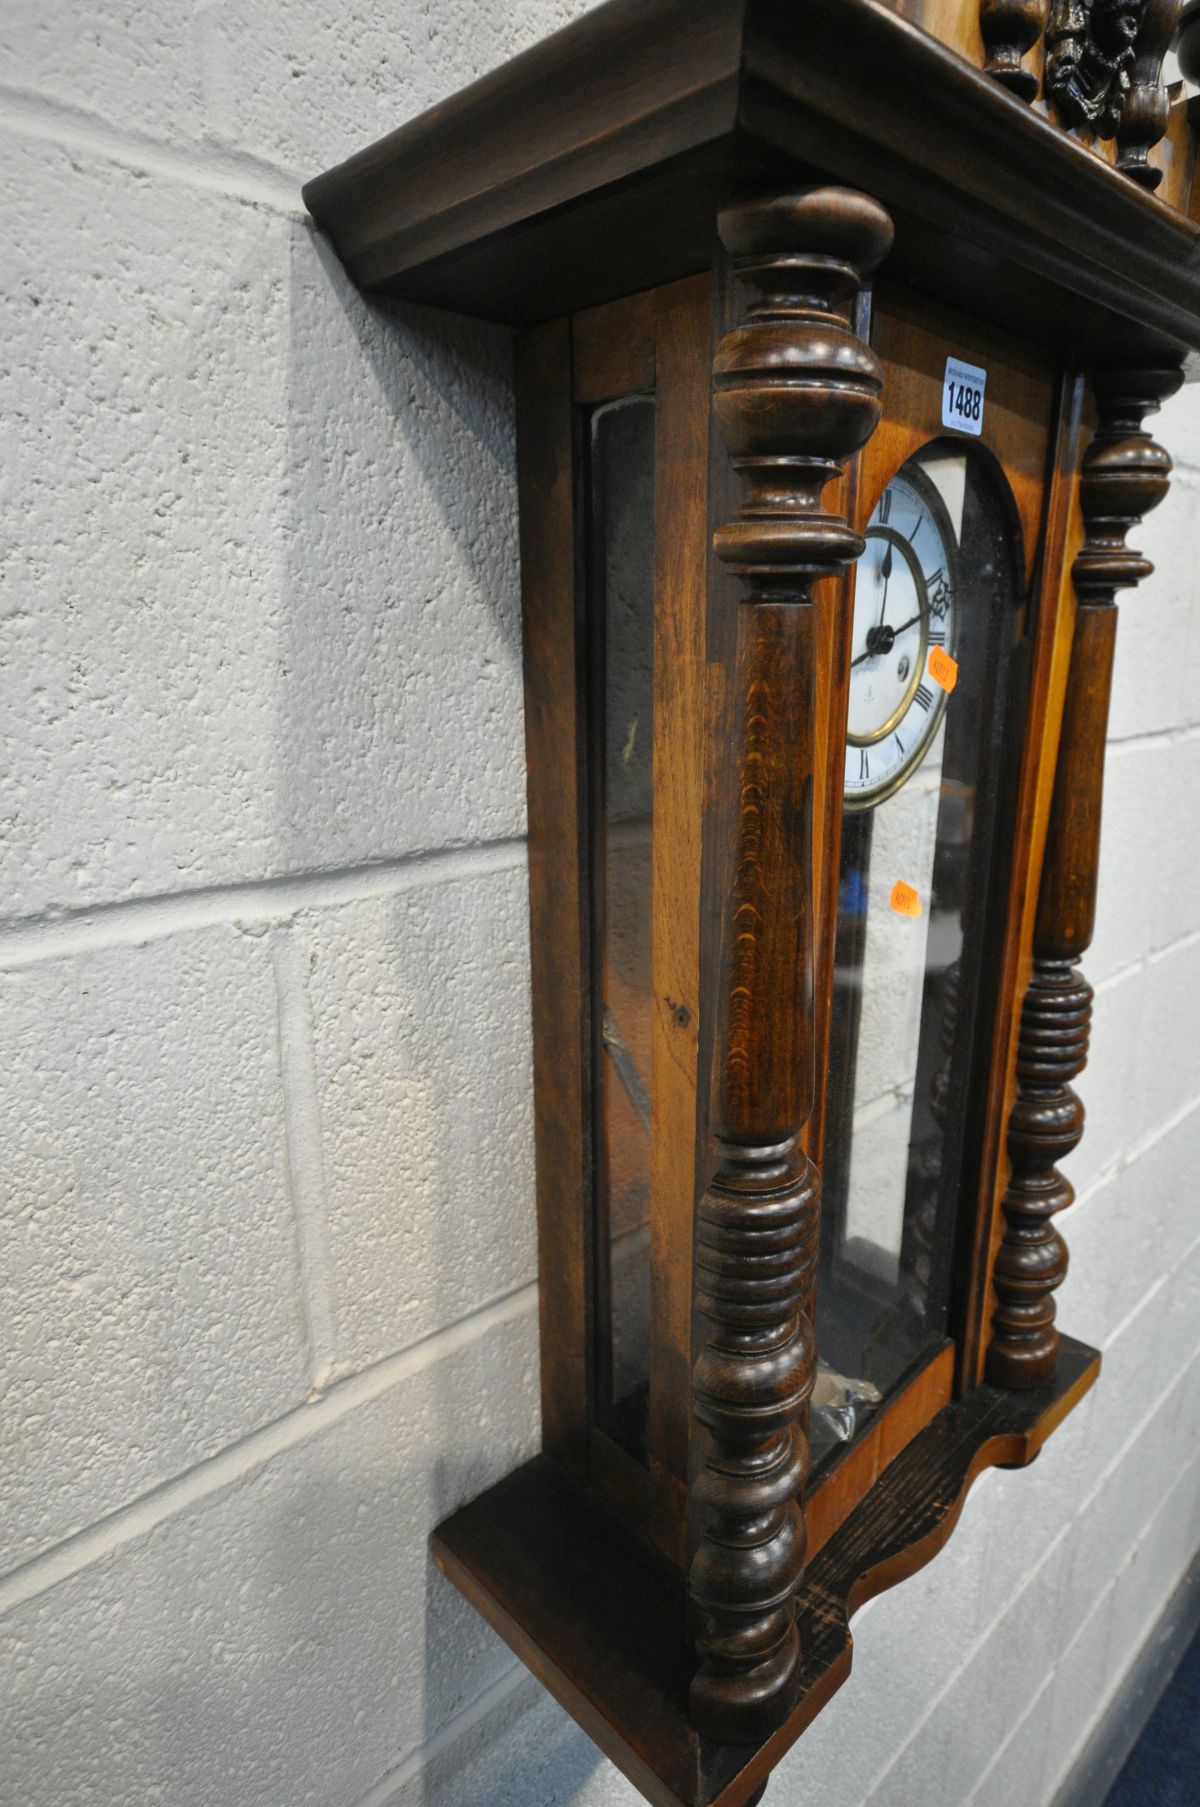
<point x="601" y="1618"/>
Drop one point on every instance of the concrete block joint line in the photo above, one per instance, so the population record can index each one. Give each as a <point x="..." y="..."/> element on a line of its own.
<point x="269" y="1242"/>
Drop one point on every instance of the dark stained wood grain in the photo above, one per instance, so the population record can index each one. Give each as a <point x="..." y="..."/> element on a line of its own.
<point x="599" y="1616"/>
<point x="1045" y="1126"/>
<point x="614" y="350"/>
<point x="682" y="315"/>
<point x="553" y="656"/>
<point x="1066" y="916"/>
<point x="1053" y="606"/>
<point x="593" y="166"/>
<point x="652" y="1501"/>
<point x="913" y="334"/>
<point x="1125" y="474"/>
<point x="834" y="597"/>
<point x="1145" y="112"/>
<point x="629" y="85"/>
<point x="796" y="392"/>
<point x="962" y="29"/>
<point x="890" y="1430"/>
<point x="660" y="341"/>
<point x="1010" y="29"/>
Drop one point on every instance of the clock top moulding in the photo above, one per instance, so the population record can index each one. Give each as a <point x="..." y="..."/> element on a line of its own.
<point x="593" y="167"/>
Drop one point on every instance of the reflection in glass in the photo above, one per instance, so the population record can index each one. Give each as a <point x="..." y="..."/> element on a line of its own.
<point x="911" y="992"/>
<point x="621" y="734"/>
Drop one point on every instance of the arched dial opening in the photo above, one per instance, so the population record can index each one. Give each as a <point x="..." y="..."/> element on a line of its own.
<point x="932" y="733"/>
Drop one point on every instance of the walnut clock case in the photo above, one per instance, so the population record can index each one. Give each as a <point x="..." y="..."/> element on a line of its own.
<point x="837" y="328"/>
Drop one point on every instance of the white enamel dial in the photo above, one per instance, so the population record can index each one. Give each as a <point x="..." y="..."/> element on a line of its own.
<point x="905" y="603"/>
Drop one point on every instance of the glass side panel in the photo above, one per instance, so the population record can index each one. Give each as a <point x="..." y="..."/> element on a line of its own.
<point x="621" y="732"/>
<point x="936" y="596"/>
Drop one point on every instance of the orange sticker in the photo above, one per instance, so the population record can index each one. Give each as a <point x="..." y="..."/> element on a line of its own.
<point x="904" y="900"/>
<point x="942" y="668"/>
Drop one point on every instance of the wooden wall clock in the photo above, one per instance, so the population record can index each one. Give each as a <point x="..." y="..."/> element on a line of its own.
<point x="837" y="328"/>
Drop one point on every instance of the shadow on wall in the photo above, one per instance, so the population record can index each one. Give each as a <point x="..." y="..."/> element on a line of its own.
<point x="401" y="729"/>
<point x="400" y="704"/>
<point x="400" y="732"/>
<point x="523" y="1751"/>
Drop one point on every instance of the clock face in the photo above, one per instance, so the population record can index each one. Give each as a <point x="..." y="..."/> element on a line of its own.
<point x="905" y="604"/>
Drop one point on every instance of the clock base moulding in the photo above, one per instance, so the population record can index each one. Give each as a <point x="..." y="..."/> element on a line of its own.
<point x="599" y="1616"/>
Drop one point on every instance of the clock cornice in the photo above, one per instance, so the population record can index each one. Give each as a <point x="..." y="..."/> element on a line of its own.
<point x="594" y="164"/>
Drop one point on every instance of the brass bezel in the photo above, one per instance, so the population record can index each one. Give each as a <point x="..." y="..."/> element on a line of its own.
<point x="931" y="496"/>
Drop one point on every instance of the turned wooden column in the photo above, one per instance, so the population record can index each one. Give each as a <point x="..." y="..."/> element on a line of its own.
<point x="1011" y="28"/>
<point x="1125" y="474"/>
<point x="1146" y="108"/>
<point x="795" y="394"/>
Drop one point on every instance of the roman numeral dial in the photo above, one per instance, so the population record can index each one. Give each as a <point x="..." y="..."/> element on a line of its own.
<point x="905" y="603"/>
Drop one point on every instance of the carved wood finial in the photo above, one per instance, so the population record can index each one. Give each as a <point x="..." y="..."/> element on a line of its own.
<point x="1010" y="29"/>
<point x="1089" y="52"/>
<point x="1104" y="63"/>
<point x="1144" y="114"/>
<point x="1125" y="474"/>
<point x="796" y="393"/>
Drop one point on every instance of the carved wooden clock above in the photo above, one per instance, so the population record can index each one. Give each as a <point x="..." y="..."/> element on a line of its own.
<point x="837" y="327"/>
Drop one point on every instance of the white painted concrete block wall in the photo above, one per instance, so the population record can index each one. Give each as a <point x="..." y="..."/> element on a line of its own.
<point x="267" y="1234"/>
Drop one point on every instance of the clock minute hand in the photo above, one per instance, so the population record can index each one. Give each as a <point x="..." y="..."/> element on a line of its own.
<point x="921" y="615"/>
<point x="885" y="571"/>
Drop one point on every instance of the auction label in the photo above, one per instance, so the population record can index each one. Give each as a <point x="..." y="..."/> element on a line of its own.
<point x="905" y="899"/>
<point x="962" y="396"/>
<point x="942" y="668"/>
